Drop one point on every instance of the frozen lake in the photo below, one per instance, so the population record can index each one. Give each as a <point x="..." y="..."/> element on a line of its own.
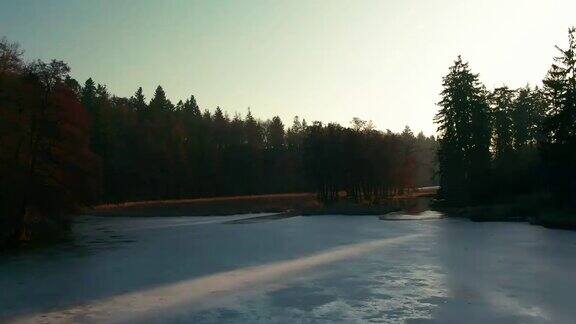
<point x="317" y="269"/>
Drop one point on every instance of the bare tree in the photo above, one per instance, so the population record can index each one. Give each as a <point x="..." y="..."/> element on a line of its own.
<point x="10" y="56"/>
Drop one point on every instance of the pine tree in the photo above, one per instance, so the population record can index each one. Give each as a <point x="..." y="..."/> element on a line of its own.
<point x="275" y="134"/>
<point x="159" y="103"/>
<point x="560" y="88"/>
<point x="501" y="100"/>
<point x="522" y="118"/>
<point x="138" y="101"/>
<point x="88" y="97"/>
<point x="464" y="128"/>
<point x="560" y="124"/>
<point x="191" y="107"/>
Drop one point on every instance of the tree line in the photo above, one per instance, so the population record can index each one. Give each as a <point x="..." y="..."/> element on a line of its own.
<point x="366" y="164"/>
<point x="497" y="144"/>
<point x="65" y="144"/>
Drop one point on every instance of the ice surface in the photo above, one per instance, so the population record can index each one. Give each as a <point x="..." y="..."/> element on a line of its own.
<point x="300" y="269"/>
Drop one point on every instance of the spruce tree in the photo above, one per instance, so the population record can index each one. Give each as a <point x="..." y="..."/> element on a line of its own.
<point x="464" y="129"/>
<point x="138" y="101"/>
<point x="501" y="100"/>
<point x="560" y="125"/>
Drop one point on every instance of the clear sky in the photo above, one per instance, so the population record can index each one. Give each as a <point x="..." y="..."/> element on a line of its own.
<point x="327" y="60"/>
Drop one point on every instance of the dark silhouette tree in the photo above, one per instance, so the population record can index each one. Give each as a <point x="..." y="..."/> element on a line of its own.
<point x="10" y="57"/>
<point x="464" y="128"/>
<point x="49" y="167"/>
<point x="501" y="101"/>
<point x="559" y="149"/>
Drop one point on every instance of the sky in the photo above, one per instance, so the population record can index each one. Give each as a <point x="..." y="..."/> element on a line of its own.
<point x="329" y="60"/>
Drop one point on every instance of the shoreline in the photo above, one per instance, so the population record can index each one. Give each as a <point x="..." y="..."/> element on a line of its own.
<point x="304" y="204"/>
<point x="534" y="212"/>
<point x="213" y="206"/>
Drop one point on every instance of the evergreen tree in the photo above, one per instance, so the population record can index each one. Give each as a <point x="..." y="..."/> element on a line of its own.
<point x="560" y="125"/>
<point x="505" y="159"/>
<point x="191" y="107"/>
<point x="159" y="103"/>
<point x="501" y="100"/>
<point x="524" y="120"/>
<point x="275" y="134"/>
<point x="138" y="101"/>
<point x="464" y="128"/>
<point x="88" y="98"/>
<point x="254" y="133"/>
<point x="408" y="159"/>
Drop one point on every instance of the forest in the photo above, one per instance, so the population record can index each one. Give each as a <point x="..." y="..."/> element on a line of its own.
<point x="498" y="145"/>
<point x="66" y="145"/>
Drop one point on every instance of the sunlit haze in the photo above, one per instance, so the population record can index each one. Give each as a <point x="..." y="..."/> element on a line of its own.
<point x="321" y="60"/>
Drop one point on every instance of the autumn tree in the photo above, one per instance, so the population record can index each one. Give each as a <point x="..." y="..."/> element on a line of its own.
<point x="48" y="151"/>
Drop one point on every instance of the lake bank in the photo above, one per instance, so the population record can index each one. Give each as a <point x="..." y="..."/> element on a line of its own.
<point x="215" y="206"/>
<point x="290" y="203"/>
<point x="536" y="210"/>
